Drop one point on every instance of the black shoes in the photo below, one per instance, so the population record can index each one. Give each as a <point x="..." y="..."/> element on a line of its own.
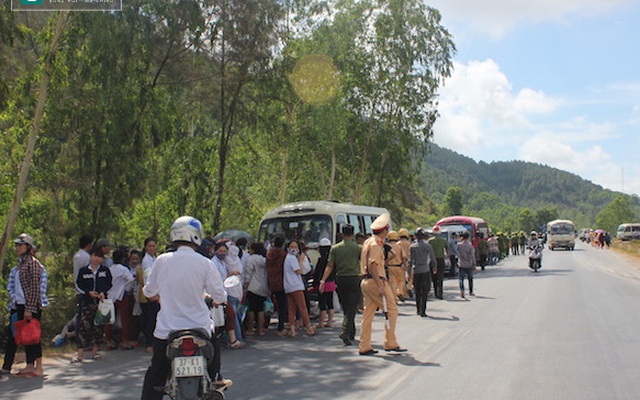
<point x="369" y="352"/>
<point x="423" y="315"/>
<point x="345" y="339"/>
<point x="397" y="349"/>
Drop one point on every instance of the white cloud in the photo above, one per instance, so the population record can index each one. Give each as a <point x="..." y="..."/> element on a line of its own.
<point x="482" y="117"/>
<point x="541" y="149"/>
<point x="478" y="106"/>
<point x="497" y="17"/>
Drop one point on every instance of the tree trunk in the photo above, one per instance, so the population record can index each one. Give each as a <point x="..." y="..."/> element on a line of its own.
<point x="365" y="155"/>
<point x="33" y="137"/>
<point x="332" y="174"/>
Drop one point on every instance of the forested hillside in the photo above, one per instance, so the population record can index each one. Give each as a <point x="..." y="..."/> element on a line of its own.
<point x="499" y="191"/>
<point x="218" y="109"/>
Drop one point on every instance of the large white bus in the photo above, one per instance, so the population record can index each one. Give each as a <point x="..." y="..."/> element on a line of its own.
<point x="561" y="233"/>
<point x="310" y="221"/>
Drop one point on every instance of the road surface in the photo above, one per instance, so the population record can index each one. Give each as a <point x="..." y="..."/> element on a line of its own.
<point x="570" y="331"/>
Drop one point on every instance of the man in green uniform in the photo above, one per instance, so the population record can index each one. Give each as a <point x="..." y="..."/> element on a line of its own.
<point x="345" y="258"/>
<point x="440" y="251"/>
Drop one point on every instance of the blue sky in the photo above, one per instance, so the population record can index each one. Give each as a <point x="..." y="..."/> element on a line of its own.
<point x="555" y="82"/>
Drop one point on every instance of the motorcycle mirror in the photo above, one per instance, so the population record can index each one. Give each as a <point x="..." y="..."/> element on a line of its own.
<point x="231" y="281"/>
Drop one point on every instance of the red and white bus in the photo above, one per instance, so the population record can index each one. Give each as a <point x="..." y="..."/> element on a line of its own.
<point x="459" y="223"/>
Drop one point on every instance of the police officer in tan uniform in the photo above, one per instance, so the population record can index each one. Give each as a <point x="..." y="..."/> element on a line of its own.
<point x="396" y="266"/>
<point x="405" y="243"/>
<point x="374" y="287"/>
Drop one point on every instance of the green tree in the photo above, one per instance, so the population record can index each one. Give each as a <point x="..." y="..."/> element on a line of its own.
<point x="544" y="215"/>
<point x="453" y="201"/>
<point x="526" y="220"/>
<point x="617" y="212"/>
<point x="392" y="56"/>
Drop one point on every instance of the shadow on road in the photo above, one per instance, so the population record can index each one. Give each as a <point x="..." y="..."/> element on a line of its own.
<point x="409" y="361"/>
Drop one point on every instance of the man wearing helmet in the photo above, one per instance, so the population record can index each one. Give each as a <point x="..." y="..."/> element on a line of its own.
<point x="533" y="242"/>
<point x="181" y="279"/>
<point x="421" y="263"/>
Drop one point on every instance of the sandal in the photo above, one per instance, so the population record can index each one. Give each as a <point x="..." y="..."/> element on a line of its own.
<point x="96" y="357"/>
<point x="76" y="360"/>
<point x="28" y="374"/>
<point x="236" y="345"/>
<point x="310" y="331"/>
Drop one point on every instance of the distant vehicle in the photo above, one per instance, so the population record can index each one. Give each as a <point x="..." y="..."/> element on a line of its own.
<point x="311" y="221"/>
<point x="475" y="226"/>
<point x="234" y="235"/>
<point x="583" y="234"/>
<point x="628" y="231"/>
<point x="561" y="233"/>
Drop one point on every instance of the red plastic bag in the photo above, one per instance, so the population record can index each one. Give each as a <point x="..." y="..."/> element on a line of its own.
<point x="27" y="332"/>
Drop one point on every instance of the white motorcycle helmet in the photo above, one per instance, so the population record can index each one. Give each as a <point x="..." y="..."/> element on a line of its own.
<point x="186" y="229"/>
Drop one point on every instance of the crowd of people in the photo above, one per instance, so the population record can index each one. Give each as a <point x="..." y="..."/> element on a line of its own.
<point x="368" y="272"/>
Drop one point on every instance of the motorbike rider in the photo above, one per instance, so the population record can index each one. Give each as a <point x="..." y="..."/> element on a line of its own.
<point x="181" y="279"/>
<point x="534" y="241"/>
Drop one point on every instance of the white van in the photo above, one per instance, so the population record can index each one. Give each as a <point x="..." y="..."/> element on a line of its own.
<point x="628" y="231"/>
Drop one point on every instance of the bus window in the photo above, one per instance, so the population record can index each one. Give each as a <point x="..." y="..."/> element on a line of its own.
<point x="355" y="221"/>
<point x="310" y="228"/>
<point x="368" y="220"/>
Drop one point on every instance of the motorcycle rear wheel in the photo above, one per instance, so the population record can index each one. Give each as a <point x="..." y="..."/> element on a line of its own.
<point x="215" y="395"/>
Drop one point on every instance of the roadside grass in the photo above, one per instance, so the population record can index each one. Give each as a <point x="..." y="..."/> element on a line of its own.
<point x="629" y="247"/>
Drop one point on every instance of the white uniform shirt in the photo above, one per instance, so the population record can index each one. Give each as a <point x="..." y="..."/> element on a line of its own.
<point x="147" y="265"/>
<point x="121" y="280"/>
<point x="182" y="278"/>
<point x="234" y="266"/>
<point x="292" y="281"/>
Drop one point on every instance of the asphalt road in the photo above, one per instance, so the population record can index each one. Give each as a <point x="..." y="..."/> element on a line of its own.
<point x="570" y="331"/>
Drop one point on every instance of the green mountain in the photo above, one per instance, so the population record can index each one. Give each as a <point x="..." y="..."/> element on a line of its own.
<point x="496" y="187"/>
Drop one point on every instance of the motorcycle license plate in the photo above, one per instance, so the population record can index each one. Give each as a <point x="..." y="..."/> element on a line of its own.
<point x="188" y="366"/>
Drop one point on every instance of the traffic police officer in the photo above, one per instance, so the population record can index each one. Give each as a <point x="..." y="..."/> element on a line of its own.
<point x="374" y="287"/>
<point x="396" y="266"/>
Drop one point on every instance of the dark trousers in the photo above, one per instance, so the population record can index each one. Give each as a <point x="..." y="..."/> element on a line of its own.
<point x="348" y="288"/>
<point x="454" y="266"/>
<point x="11" y="348"/>
<point x="438" y="278"/>
<point x="283" y="316"/>
<point x="468" y="272"/>
<point x="149" y="314"/>
<point x="34" y="351"/>
<point x="158" y="371"/>
<point x="421" y="284"/>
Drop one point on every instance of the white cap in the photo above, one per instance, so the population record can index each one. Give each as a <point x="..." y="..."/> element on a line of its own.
<point x="381" y="223"/>
<point x="325" y="242"/>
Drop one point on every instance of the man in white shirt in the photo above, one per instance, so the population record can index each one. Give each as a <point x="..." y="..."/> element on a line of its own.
<point x="181" y="279"/>
<point x="82" y="258"/>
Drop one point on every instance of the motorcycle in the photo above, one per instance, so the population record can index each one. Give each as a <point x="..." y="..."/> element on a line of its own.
<point x="535" y="257"/>
<point x="190" y="351"/>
